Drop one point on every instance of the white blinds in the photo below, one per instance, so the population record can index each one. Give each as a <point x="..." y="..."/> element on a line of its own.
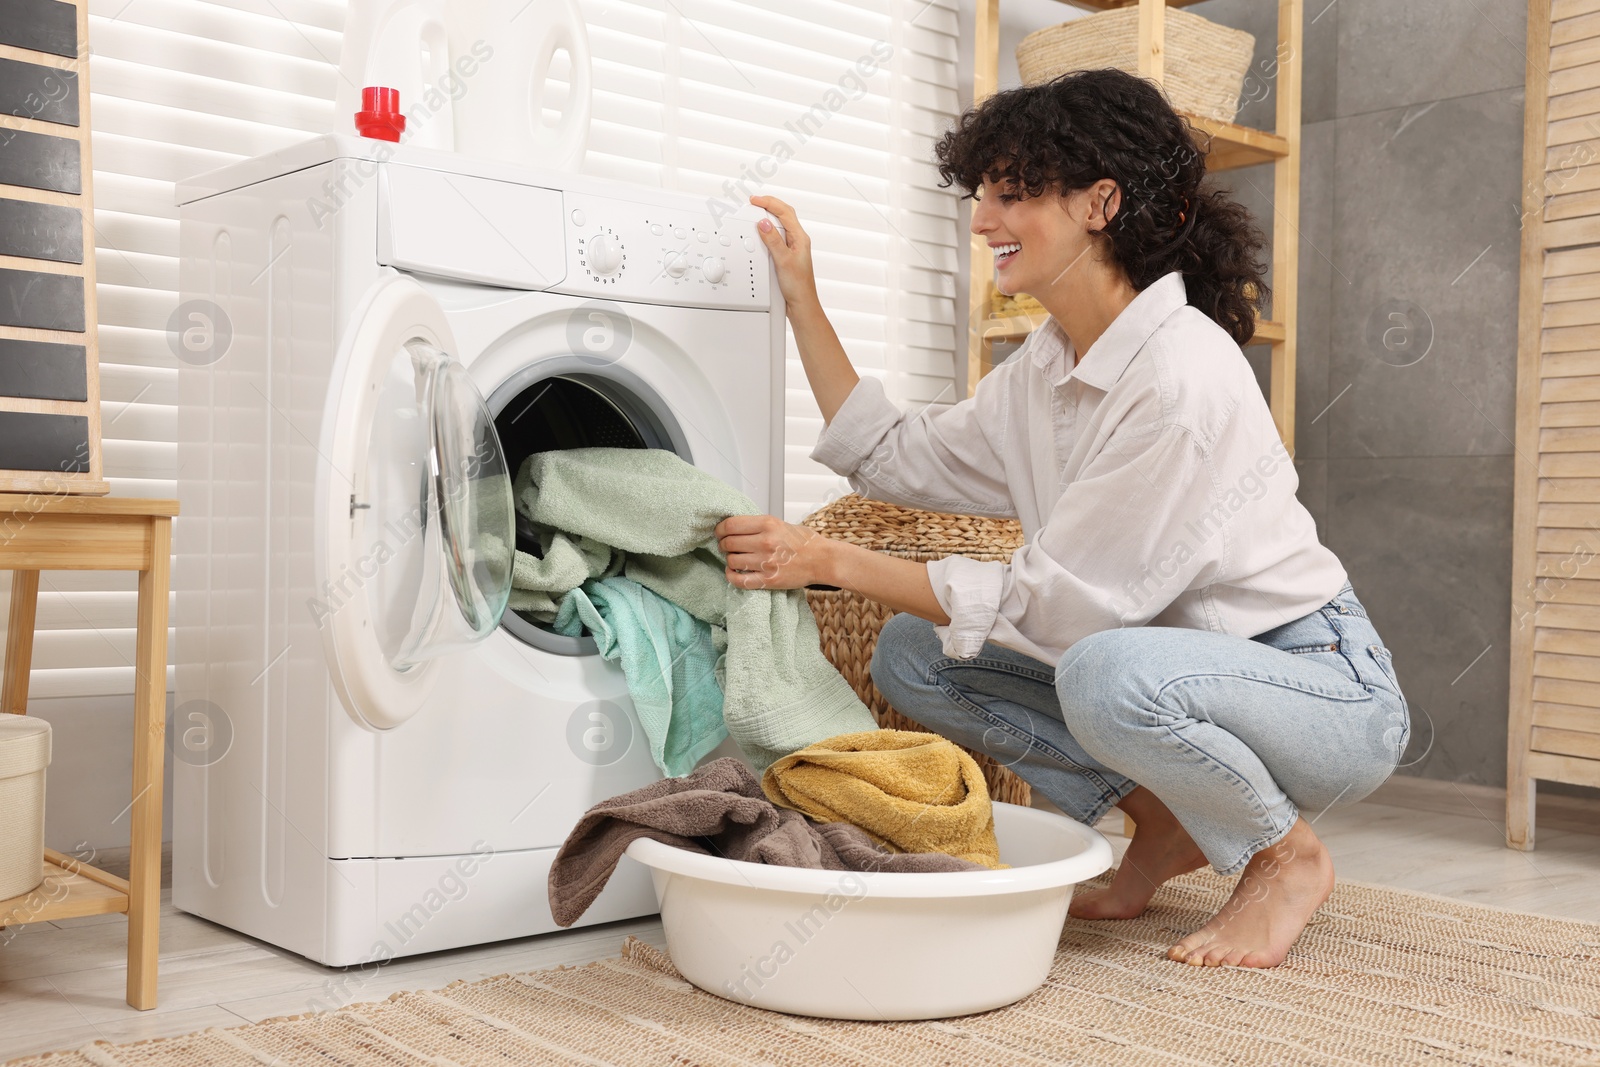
<point x="178" y="87"/>
<point x="689" y="94"/>
<point x="833" y="107"/>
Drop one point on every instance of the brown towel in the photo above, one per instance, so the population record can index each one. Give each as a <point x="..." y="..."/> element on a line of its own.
<point x="719" y="810"/>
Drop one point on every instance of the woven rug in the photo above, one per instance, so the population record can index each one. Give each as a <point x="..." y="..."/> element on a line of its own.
<point x="1382" y="976"/>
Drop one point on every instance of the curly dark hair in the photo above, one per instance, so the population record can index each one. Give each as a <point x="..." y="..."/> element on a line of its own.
<point x="1070" y="132"/>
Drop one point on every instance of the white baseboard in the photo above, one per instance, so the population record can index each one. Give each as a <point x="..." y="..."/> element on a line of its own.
<point x="1556" y="811"/>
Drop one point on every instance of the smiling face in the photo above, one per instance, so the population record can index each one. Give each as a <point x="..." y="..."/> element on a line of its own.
<point x="1037" y="241"/>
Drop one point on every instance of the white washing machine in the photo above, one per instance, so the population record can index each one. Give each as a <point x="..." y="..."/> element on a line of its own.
<point x="371" y="758"/>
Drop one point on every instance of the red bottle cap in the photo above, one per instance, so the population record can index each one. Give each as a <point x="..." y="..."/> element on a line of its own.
<point x="380" y="116"/>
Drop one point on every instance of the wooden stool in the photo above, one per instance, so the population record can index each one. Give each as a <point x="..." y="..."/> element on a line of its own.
<point x="43" y="532"/>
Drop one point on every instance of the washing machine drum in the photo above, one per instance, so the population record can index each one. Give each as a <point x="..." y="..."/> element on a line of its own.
<point x="562" y="403"/>
<point x="416" y="523"/>
<point x="569" y="411"/>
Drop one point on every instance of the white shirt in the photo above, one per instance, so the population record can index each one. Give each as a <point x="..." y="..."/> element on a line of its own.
<point x="1149" y="479"/>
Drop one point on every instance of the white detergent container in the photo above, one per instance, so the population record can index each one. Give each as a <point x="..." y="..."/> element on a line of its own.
<point x="403" y="45"/>
<point x="501" y="113"/>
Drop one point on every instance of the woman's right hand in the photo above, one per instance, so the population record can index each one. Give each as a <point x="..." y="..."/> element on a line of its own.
<point x="790" y="249"/>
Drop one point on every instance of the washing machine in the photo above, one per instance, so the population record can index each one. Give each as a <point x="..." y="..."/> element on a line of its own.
<point x="372" y="757"/>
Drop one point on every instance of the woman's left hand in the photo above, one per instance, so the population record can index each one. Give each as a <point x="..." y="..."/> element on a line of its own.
<point x="764" y="552"/>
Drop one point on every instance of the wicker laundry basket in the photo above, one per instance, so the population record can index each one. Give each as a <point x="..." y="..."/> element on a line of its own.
<point x="850" y="622"/>
<point x="1204" y="68"/>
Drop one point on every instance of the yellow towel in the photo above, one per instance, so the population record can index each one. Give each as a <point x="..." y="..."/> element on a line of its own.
<point x="913" y="792"/>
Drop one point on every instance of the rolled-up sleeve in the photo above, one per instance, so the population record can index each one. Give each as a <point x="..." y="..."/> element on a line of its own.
<point x="1119" y="546"/>
<point x="944" y="460"/>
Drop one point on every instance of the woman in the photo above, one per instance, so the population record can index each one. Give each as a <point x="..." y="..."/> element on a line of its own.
<point x="1172" y="639"/>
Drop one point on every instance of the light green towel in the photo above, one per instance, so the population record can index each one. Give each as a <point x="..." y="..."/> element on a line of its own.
<point x="669" y="659"/>
<point x="538" y="583"/>
<point x="780" y="693"/>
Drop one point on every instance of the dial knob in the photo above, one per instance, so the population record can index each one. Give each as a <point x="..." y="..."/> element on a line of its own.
<point x="714" y="269"/>
<point x="605" y="254"/>
<point x="675" y="264"/>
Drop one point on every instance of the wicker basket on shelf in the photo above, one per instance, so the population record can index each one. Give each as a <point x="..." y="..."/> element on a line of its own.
<point x="1002" y="305"/>
<point x="850" y="623"/>
<point x="1205" y="63"/>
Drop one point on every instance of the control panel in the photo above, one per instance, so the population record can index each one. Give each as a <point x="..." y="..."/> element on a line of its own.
<point x="682" y="255"/>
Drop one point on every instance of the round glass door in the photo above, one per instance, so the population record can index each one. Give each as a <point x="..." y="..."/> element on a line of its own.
<point x="437" y="530"/>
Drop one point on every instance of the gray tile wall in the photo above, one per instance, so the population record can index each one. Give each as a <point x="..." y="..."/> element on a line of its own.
<point x="1412" y="157"/>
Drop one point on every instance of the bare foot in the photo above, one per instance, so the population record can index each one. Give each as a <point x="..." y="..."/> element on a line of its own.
<point x="1279" y="890"/>
<point x="1161" y="849"/>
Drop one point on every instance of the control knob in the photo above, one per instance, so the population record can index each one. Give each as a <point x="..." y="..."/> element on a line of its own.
<point x="605" y="254"/>
<point x="675" y="264"/>
<point x="714" y="269"/>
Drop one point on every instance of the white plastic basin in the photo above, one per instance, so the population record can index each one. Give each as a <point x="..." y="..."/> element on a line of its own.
<point x="874" y="945"/>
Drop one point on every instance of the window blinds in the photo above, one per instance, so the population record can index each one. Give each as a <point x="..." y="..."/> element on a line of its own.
<point x="177" y="87"/>
<point x="832" y="106"/>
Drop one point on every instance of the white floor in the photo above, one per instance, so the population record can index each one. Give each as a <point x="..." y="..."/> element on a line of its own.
<point x="62" y="983"/>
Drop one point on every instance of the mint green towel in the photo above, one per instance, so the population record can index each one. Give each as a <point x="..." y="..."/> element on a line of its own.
<point x="779" y="693"/>
<point x="669" y="658"/>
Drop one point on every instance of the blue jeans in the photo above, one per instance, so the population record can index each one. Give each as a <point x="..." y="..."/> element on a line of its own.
<point x="1235" y="735"/>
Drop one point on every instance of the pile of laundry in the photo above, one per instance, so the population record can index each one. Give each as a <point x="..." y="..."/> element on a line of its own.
<point x="879" y="800"/>
<point x="623" y="548"/>
<point x="618" y="543"/>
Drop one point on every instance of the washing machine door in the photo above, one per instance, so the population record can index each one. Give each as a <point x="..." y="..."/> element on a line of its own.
<point x="419" y="529"/>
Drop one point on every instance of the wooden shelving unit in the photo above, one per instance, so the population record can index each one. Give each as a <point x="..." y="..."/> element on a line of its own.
<point x="70" y="890"/>
<point x="1227" y="146"/>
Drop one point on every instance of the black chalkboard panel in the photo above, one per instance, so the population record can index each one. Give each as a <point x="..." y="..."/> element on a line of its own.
<point x="39" y="161"/>
<point x="41" y="231"/>
<point x="42" y="25"/>
<point x="40" y="301"/>
<point x="36" y="442"/>
<point x="49" y="348"/>
<point x="32" y="91"/>
<point x="43" y="370"/>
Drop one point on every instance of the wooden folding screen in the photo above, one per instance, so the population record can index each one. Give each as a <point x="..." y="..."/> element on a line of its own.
<point x="1555" y="597"/>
